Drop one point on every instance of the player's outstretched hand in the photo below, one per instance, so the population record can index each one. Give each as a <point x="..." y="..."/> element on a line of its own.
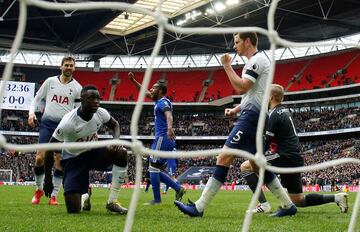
<point x="32" y="120"/>
<point x="48" y="188"/>
<point x="171" y="134"/>
<point x="225" y="59"/>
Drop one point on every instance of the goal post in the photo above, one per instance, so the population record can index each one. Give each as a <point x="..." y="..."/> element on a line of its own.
<point x="6" y="175"/>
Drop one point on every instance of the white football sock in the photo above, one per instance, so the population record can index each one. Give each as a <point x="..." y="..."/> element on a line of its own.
<point x="39" y="181"/>
<point x="265" y="204"/>
<point x="279" y="192"/>
<point x="118" y="178"/>
<point x="57" y="181"/>
<point x="211" y="188"/>
<point x="84" y="197"/>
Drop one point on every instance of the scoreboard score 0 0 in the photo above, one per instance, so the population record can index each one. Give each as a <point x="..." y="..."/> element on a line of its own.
<point x="18" y="95"/>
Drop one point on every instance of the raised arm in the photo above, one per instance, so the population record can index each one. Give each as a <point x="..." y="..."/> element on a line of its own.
<point x="241" y="85"/>
<point x="137" y="84"/>
<point x="232" y="111"/>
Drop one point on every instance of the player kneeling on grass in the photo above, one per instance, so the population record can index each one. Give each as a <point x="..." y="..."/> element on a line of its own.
<point x="283" y="150"/>
<point x="80" y="125"/>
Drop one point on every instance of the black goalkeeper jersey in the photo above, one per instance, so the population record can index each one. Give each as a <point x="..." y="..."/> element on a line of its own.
<point x="281" y="136"/>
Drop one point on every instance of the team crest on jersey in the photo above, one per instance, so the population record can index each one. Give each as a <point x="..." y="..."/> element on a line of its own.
<point x="281" y="111"/>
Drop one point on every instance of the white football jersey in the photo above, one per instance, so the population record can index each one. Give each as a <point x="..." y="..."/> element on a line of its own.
<point x="257" y="70"/>
<point x="73" y="128"/>
<point x="59" y="98"/>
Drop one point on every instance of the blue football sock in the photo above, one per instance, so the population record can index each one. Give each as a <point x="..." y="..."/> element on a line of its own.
<point x="220" y="173"/>
<point x="155" y="184"/>
<point x="268" y="177"/>
<point x="166" y="179"/>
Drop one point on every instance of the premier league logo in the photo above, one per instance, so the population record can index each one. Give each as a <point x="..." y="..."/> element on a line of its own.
<point x="254" y="66"/>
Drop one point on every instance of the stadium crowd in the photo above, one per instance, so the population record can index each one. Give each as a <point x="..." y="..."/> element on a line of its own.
<point x="313" y="152"/>
<point x="326" y="119"/>
<point x="205" y="124"/>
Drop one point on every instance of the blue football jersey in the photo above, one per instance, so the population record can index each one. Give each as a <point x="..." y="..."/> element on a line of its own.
<point x="161" y="106"/>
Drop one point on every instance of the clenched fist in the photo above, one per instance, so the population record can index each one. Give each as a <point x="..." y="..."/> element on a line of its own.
<point x="225" y="59"/>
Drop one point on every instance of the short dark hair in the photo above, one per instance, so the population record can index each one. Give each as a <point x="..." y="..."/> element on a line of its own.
<point x="67" y="58"/>
<point x="88" y="87"/>
<point x="162" y="86"/>
<point x="251" y="35"/>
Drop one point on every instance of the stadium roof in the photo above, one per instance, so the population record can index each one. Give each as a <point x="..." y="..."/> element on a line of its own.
<point x="89" y="32"/>
<point x="127" y="23"/>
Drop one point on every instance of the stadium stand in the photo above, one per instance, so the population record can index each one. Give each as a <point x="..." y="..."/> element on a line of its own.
<point x="314" y="152"/>
<point x="200" y="123"/>
<point x="331" y="70"/>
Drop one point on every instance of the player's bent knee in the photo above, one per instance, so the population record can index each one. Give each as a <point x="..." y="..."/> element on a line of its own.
<point x="118" y="154"/>
<point x="246" y="166"/>
<point x="297" y="199"/>
<point x="254" y="167"/>
<point x="39" y="158"/>
<point x="225" y="160"/>
<point x="73" y="202"/>
<point x="57" y="162"/>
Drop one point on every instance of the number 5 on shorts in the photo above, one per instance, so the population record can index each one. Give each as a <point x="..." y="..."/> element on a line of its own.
<point x="237" y="136"/>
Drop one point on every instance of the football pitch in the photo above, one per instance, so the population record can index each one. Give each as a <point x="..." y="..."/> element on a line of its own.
<point x="225" y="213"/>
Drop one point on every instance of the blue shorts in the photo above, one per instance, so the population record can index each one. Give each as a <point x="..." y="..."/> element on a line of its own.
<point x="46" y="129"/>
<point x="243" y="135"/>
<point x="171" y="166"/>
<point x="76" y="170"/>
<point x="161" y="143"/>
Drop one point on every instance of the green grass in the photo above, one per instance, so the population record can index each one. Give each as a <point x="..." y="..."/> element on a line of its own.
<point x="225" y="213"/>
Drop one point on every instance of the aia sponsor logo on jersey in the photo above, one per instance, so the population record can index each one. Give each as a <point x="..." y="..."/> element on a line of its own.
<point x="60" y="99"/>
<point x="92" y="137"/>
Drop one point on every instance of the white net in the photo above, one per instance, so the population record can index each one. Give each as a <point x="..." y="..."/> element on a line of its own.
<point x="136" y="145"/>
<point x="6" y="175"/>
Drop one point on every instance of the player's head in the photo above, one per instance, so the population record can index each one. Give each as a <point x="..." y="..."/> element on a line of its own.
<point x="276" y="94"/>
<point x="245" y="41"/>
<point x="158" y="90"/>
<point x="90" y="99"/>
<point x="67" y="66"/>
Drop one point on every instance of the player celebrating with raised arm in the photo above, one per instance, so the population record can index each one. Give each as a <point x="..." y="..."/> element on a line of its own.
<point x="60" y="94"/>
<point x="251" y="84"/>
<point x="81" y="125"/>
<point x="283" y="150"/>
<point x="164" y="140"/>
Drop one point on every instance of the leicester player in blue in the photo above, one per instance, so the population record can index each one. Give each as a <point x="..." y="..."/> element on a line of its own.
<point x="164" y="139"/>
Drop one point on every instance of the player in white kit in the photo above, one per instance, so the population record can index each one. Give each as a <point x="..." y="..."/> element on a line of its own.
<point x="60" y="94"/>
<point x="81" y="125"/>
<point x="251" y="84"/>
